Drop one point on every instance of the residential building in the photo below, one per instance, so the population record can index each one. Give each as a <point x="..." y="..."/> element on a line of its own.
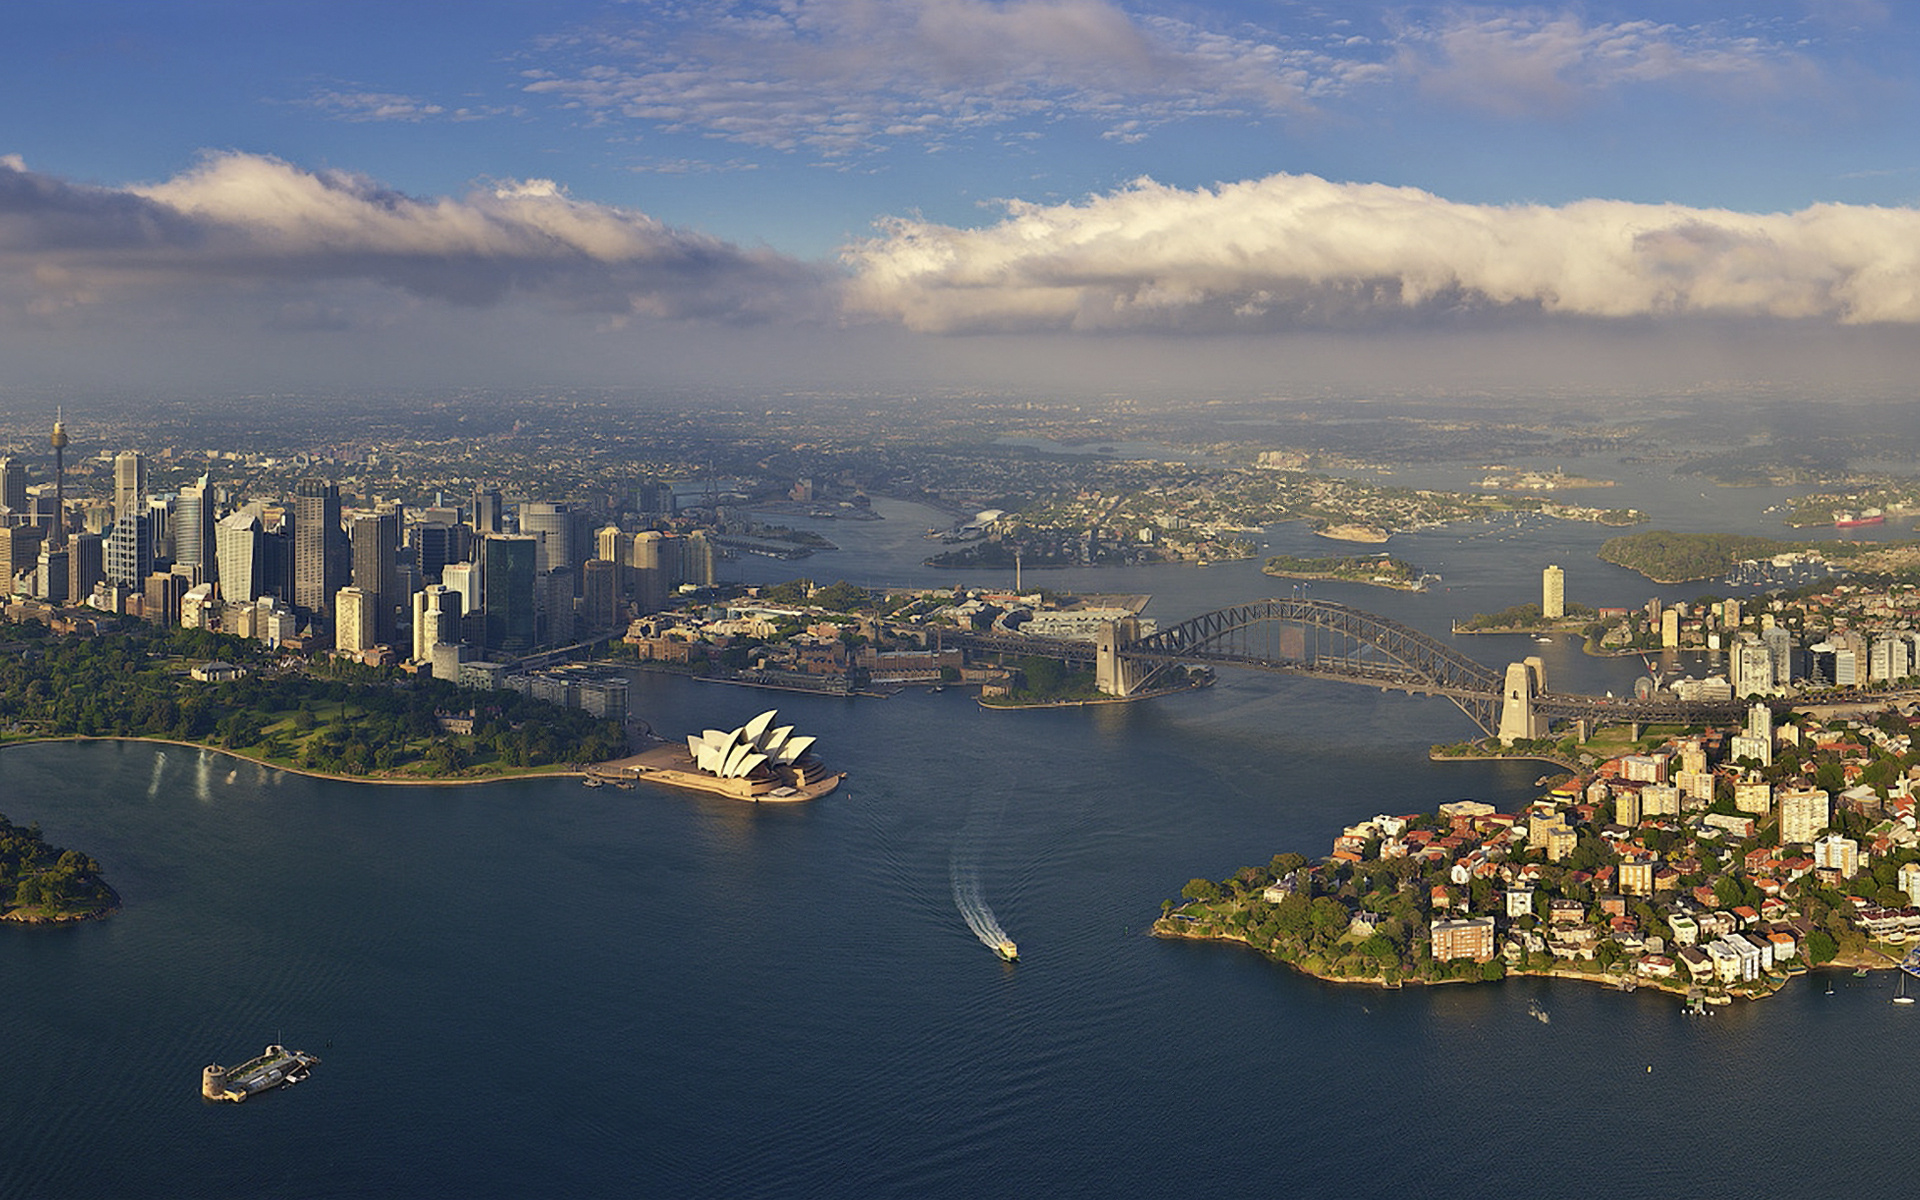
<point x="1804" y="813"/>
<point x="1468" y="937"/>
<point x="1836" y="853"/>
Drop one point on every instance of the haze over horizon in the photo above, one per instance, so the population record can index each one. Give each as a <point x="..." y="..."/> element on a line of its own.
<point x="1084" y="194"/>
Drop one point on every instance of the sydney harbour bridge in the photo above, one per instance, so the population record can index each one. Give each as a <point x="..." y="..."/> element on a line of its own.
<point x="1320" y="638"/>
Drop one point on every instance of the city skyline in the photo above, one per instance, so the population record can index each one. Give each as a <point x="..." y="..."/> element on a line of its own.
<point x="1050" y="192"/>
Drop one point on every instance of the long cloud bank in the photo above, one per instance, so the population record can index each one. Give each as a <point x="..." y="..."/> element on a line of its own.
<point x="1293" y="251"/>
<point x="1284" y="252"/>
<point x="254" y="222"/>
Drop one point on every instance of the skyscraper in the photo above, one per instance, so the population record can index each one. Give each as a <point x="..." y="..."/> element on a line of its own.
<point x="599" y="594"/>
<point x="486" y="511"/>
<point x="556" y="607"/>
<point x="696" y="559"/>
<point x="129" y="484"/>
<point x="565" y="535"/>
<point x="508" y="600"/>
<point x="13" y="485"/>
<point x="319" y="547"/>
<point x="1553" y="593"/>
<point x="19" y="552"/>
<point x="55" y="574"/>
<point x="435" y="544"/>
<point x="193" y="541"/>
<point x="436" y="620"/>
<point x="376" y="551"/>
<point x="237" y="552"/>
<point x="353" y="626"/>
<point x="651" y="577"/>
<point x="86" y="565"/>
<point x="129" y="550"/>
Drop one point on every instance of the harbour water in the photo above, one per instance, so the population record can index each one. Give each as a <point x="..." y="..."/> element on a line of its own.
<point x="540" y="989"/>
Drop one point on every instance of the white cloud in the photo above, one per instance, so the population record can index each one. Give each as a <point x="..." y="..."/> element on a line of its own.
<point x="364" y="105"/>
<point x="1292" y="251"/>
<point x="241" y="221"/>
<point x="840" y="77"/>
<point x="1517" y="61"/>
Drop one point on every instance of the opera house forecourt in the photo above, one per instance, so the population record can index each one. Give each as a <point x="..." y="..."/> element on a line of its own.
<point x="758" y="761"/>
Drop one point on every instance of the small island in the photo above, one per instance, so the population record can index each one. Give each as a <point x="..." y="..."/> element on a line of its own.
<point x="1375" y="570"/>
<point x="43" y="884"/>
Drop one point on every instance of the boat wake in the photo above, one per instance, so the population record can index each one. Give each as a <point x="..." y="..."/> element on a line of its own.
<point x="973" y="908"/>
<point x="159" y="765"/>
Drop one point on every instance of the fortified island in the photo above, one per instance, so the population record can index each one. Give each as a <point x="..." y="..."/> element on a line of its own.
<point x="758" y="762"/>
<point x="276" y="1067"/>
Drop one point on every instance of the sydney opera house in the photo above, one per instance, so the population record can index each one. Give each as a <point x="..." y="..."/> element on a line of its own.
<point x="758" y="761"/>
<point x="757" y="746"/>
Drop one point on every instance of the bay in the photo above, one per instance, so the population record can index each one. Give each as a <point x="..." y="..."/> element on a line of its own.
<point x="532" y="988"/>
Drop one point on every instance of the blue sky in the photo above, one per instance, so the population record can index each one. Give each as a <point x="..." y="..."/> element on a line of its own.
<point x="870" y="189"/>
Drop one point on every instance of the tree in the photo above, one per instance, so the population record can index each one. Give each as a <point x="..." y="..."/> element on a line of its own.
<point x="1201" y="889"/>
<point x="1821" y="948"/>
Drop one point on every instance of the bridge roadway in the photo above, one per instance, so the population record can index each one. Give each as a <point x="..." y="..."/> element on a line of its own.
<point x="1285" y="634"/>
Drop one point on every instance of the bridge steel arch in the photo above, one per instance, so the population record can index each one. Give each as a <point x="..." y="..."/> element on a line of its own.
<point x="1415" y="661"/>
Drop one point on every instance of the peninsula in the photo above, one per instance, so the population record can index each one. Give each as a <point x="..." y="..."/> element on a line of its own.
<point x="1756" y="862"/>
<point x="327" y="718"/>
<point x="44" y="884"/>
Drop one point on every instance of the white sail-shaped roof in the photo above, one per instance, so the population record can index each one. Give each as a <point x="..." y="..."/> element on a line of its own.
<point x="746" y="749"/>
<point x="795" y="747"/>
<point x="735" y="756"/>
<point x="754" y="730"/>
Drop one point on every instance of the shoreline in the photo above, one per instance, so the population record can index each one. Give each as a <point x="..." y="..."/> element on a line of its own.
<point x="13" y="916"/>
<point x="537" y="773"/>
<point x="1434" y="755"/>
<point x="1161" y="928"/>
<point x="1390" y="585"/>
<point x="1152" y="695"/>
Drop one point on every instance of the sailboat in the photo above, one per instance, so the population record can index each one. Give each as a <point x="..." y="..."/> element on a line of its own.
<point x="1900" y="990"/>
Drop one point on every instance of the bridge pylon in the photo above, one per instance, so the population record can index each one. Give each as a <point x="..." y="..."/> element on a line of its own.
<point x="1114" y="674"/>
<point x="1525" y="681"/>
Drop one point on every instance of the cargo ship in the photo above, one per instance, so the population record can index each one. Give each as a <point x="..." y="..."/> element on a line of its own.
<point x="277" y="1067"/>
<point x="1847" y="520"/>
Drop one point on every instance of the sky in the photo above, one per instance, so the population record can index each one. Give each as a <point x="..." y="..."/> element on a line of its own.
<point x="1210" y="196"/>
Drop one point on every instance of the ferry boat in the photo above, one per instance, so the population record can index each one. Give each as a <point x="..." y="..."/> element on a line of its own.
<point x="1007" y="950"/>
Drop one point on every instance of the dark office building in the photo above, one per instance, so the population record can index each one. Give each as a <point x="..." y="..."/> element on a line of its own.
<point x="320" y="561"/>
<point x="507" y="568"/>
<point x="376" y="554"/>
